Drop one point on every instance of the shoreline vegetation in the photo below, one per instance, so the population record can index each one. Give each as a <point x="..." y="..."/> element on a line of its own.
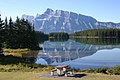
<point x="98" y="36"/>
<point x="21" y="52"/>
<point x="97" y="33"/>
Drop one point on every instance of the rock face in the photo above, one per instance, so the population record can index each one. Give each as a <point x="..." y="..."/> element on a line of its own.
<point x="28" y="17"/>
<point x="64" y="21"/>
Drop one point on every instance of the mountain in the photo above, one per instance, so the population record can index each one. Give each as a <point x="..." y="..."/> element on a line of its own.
<point x="28" y="17"/>
<point x="64" y="21"/>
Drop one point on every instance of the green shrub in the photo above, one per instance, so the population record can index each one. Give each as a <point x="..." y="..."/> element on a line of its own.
<point x="101" y="70"/>
<point x="115" y="70"/>
<point x="90" y="70"/>
<point x="110" y="71"/>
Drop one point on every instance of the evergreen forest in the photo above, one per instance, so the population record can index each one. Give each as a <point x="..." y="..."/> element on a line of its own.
<point x="19" y="34"/>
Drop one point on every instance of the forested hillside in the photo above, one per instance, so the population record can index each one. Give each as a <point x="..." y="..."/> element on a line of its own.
<point x="97" y="33"/>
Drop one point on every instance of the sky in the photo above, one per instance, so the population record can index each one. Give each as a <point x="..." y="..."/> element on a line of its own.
<point x="102" y="10"/>
<point x="109" y="55"/>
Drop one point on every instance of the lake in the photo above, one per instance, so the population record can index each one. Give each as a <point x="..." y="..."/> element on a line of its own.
<point x="78" y="55"/>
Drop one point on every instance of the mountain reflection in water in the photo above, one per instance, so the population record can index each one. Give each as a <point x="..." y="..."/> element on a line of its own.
<point x="77" y="55"/>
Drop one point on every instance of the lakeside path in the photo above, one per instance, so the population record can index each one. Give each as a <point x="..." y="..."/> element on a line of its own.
<point x="47" y="76"/>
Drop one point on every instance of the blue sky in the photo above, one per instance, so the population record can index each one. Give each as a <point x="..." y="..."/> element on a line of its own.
<point x="102" y="10"/>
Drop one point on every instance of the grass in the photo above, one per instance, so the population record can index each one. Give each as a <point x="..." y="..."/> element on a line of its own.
<point x="36" y="76"/>
<point x="33" y="72"/>
<point x="15" y="50"/>
<point x="20" y="52"/>
<point x="111" y="71"/>
<point x="19" y="76"/>
<point x="22" y="67"/>
<point x="100" y="76"/>
<point x="13" y="64"/>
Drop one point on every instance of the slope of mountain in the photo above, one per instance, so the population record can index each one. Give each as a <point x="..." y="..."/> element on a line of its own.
<point x="64" y="21"/>
<point x="28" y="17"/>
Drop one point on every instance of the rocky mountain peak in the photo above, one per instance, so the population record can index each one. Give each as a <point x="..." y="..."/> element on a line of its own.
<point x="65" y="21"/>
<point x="49" y="11"/>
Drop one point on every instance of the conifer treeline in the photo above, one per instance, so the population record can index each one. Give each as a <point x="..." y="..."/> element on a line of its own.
<point x="58" y="36"/>
<point x="98" y="33"/>
<point x="18" y="34"/>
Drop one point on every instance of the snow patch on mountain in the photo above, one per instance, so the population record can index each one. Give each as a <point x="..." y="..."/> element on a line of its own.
<point x="64" y="21"/>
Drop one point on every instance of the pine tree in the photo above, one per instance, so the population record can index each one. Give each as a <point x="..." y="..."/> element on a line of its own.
<point x="6" y="23"/>
<point x="5" y="31"/>
<point x="18" y="24"/>
<point x="1" y="33"/>
<point x="34" y="40"/>
<point x="1" y="23"/>
<point x="19" y="34"/>
<point x="11" y="35"/>
<point x="11" y="24"/>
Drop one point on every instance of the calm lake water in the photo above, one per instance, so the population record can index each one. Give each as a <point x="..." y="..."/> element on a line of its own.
<point x="78" y="55"/>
